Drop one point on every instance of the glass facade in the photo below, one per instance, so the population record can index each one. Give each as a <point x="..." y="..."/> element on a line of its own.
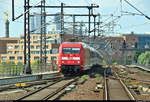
<point x="144" y="40"/>
<point x="57" y="20"/>
<point x="35" y="23"/>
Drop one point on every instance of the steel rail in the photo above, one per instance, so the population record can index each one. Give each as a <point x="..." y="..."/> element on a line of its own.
<point x="106" y="88"/>
<point x="127" y="90"/>
<point x="125" y="87"/>
<point x="140" y="67"/>
<point x="51" y="94"/>
<point x="25" y="96"/>
<point x="59" y="89"/>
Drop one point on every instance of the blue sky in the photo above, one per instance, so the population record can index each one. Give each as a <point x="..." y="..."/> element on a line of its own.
<point x="127" y="23"/>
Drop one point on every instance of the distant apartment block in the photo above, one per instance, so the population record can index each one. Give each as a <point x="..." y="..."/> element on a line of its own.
<point x="15" y="51"/>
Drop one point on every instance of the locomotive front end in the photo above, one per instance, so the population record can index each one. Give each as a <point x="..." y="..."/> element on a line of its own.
<point x="70" y="58"/>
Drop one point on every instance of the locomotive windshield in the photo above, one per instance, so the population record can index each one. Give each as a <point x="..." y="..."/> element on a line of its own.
<point x="70" y="50"/>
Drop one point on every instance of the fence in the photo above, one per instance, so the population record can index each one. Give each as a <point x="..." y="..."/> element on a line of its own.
<point x="17" y="70"/>
<point x="11" y="70"/>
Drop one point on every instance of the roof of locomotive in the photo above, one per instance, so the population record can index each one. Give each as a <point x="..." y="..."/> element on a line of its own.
<point x="84" y="46"/>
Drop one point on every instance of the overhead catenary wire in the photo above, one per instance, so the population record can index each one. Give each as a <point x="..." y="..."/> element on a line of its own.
<point x="28" y="10"/>
<point x="137" y="25"/>
<point x="137" y="9"/>
<point x="110" y="21"/>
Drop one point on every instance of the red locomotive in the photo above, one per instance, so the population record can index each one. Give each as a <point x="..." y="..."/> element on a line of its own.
<point x="75" y="57"/>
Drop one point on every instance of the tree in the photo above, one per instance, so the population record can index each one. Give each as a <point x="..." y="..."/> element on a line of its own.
<point x="144" y="58"/>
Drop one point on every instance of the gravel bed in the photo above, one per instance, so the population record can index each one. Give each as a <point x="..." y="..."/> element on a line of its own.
<point x="143" y="97"/>
<point x="139" y="75"/>
<point x="84" y="92"/>
<point x="14" y="94"/>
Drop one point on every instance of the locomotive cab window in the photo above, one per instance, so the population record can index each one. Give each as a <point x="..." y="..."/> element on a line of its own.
<point x="71" y="50"/>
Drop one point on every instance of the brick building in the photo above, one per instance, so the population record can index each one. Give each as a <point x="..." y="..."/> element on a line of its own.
<point x="4" y="42"/>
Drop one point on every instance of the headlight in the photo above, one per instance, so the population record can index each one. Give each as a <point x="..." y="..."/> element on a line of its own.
<point x="76" y="58"/>
<point x="64" y="58"/>
<point x="78" y="61"/>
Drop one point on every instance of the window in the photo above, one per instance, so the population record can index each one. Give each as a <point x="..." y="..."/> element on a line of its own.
<point x="19" y="57"/>
<point x="32" y="47"/>
<point x="35" y="52"/>
<point x="9" y="47"/>
<point x="10" y="52"/>
<point x="4" y="58"/>
<point x="71" y="50"/>
<point x="48" y="52"/>
<point x="17" y="47"/>
<point x="34" y="38"/>
<point x="16" y="52"/>
<point x="53" y="58"/>
<point x="38" y="47"/>
<point x="11" y="58"/>
<point x="21" y="41"/>
<point x="54" y="51"/>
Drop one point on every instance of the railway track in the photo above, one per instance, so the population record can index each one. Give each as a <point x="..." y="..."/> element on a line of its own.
<point x="49" y="91"/>
<point x="29" y="83"/>
<point x="115" y="89"/>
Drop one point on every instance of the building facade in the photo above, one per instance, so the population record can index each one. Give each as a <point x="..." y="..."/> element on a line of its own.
<point x="129" y="41"/>
<point x="57" y="20"/>
<point x="4" y="42"/>
<point x="15" y="51"/>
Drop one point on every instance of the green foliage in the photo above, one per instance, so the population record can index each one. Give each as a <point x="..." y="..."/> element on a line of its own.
<point x="127" y="81"/>
<point x="20" y="64"/>
<point x="37" y="62"/>
<point x="114" y="62"/>
<point x="84" y="77"/>
<point x="144" y="58"/>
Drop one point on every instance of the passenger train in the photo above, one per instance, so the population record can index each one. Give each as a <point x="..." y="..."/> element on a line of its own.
<point x="76" y="57"/>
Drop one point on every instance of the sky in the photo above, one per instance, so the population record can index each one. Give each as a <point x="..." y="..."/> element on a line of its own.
<point x="126" y="23"/>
